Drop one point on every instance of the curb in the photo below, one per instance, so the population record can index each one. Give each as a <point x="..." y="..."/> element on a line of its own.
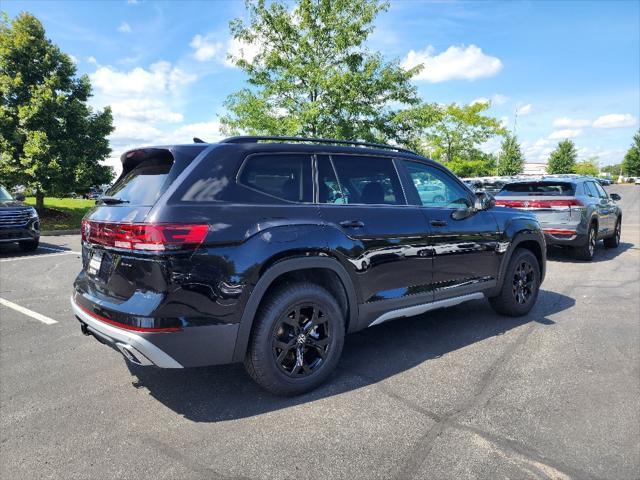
<point x="56" y="233"/>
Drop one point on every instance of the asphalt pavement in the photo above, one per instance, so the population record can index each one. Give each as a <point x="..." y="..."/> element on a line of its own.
<point x="458" y="393"/>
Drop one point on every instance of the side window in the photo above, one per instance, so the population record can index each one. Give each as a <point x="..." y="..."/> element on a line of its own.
<point x="329" y="189"/>
<point x="287" y="177"/>
<point x="601" y="191"/>
<point x="367" y="180"/>
<point x="436" y="188"/>
<point x="589" y="190"/>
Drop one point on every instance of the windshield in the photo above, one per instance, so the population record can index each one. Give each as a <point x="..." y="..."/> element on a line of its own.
<point x="538" y="189"/>
<point x="143" y="184"/>
<point x="4" y="195"/>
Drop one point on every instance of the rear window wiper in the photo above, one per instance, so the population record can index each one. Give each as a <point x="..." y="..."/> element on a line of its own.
<point x="112" y="200"/>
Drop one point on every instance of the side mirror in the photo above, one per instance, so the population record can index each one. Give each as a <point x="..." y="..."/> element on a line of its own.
<point x="484" y="201"/>
<point x="19" y="197"/>
<point x="615" y="197"/>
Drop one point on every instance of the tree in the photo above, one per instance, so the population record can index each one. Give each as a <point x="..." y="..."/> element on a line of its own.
<point x="312" y="74"/>
<point x="447" y="132"/>
<point x="477" y="164"/>
<point x="588" y="167"/>
<point x="50" y="139"/>
<point x="563" y="158"/>
<point x="631" y="162"/>
<point x="510" y="159"/>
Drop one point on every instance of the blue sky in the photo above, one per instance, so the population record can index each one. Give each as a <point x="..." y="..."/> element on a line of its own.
<point x="569" y="69"/>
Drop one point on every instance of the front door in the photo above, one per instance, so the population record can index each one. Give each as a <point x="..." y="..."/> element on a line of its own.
<point x="382" y="239"/>
<point x="464" y="250"/>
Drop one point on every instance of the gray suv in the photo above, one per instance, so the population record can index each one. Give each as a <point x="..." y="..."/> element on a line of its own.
<point x="573" y="211"/>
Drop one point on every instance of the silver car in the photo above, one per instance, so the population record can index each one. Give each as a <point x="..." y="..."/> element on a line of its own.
<point x="573" y="211"/>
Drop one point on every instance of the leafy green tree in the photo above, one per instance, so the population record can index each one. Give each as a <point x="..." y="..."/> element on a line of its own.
<point x="50" y="139"/>
<point x="563" y="158"/>
<point x="476" y="164"/>
<point x="447" y="132"/>
<point x="313" y="75"/>
<point x="588" y="167"/>
<point x="510" y="159"/>
<point x="614" y="169"/>
<point x="631" y="162"/>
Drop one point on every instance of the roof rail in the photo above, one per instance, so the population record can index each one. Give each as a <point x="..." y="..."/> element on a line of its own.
<point x="267" y="138"/>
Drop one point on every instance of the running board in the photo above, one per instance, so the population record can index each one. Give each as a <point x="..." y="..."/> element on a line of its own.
<point x="425" y="307"/>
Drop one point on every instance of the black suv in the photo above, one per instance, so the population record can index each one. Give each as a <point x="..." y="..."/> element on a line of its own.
<point x="269" y="250"/>
<point x="19" y="223"/>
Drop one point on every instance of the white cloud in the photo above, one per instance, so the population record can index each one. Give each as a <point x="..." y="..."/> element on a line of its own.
<point x="124" y="27"/>
<point x="566" y="133"/>
<point x="206" y="47"/>
<point x="241" y="50"/>
<point x="207" y="131"/>
<point x="525" y="109"/>
<point x="565" y="122"/>
<point x="92" y="60"/>
<point x="127" y="131"/>
<point x="74" y="59"/>
<point x="132" y="2"/>
<point x="145" y="109"/>
<point x="537" y="150"/>
<point x="455" y="63"/>
<point x="615" y="120"/>
<point x="497" y="99"/>
<point x="160" y="78"/>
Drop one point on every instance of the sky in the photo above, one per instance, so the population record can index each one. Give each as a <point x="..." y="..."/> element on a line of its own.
<point x="550" y="69"/>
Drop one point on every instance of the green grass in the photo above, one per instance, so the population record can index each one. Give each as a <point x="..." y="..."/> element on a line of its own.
<point x="62" y="213"/>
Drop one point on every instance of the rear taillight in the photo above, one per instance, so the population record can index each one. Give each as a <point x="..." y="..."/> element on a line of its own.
<point x="144" y="236"/>
<point x="565" y="203"/>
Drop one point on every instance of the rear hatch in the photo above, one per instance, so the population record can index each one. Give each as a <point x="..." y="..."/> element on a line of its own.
<point x="553" y="202"/>
<point x="124" y="255"/>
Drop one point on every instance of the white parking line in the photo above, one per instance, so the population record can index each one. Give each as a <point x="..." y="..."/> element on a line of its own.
<point x="27" y="257"/>
<point x="26" y="311"/>
<point x="58" y="250"/>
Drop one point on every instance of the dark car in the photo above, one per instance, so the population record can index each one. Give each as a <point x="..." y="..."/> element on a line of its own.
<point x="269" y="250"/>
<point x="18" y="222"/>
<point x="574" y="211"/>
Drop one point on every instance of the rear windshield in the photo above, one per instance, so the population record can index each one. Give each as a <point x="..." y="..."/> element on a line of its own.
<point x="538" y="189"/>
<point x="147" y="176"/>
<point x="143" y="184"/>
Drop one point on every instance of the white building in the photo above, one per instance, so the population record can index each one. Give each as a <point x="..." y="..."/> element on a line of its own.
<point x="533" y="168"/>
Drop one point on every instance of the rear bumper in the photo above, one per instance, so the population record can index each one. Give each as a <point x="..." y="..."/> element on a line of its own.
<point x="564" y="237"/>
<point x="189" y="347"/>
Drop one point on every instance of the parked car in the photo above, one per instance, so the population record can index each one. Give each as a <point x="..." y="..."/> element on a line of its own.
<point x="19" y="223"/>
<point x="574" y="211"/>
<point x="269" y="250"/>
<point x="93" y="194"/>
<point x="637" y="181"/>
<point x="605" y="182"/>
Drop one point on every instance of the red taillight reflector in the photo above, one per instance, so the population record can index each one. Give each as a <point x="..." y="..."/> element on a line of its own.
<point x="559" y="231"/>
<point x="572" y="202"/>
<point x="144" y="236"/>
<point x="125" y="326"/>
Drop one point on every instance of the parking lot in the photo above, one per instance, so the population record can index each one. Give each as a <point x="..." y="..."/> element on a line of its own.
<point x="458" y="393"/>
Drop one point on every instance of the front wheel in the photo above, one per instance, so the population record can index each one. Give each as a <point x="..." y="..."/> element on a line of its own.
<point x="614" y="240"/>
<point x="520" y="286"/>
<point x="297" y="339"/>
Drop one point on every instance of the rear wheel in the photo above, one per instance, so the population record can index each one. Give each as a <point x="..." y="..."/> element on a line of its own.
<point x="29" y="245"/>
<point x="588" y="250"/>
<point x="297" y="340"/>
<point x="614" y="240"/>
<point x="520" y="286"/>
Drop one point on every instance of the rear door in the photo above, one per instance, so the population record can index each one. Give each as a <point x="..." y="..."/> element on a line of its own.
<point x="465" y="259"/>
<point x="384" y="240"/>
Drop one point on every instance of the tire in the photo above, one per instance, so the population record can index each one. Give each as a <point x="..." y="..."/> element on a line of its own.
<point x="588" y="250"/>
<point x="520" y="286"/>
<point x="29" y="245"/>
<point x="614" y="240"/>
<point x="289" y="352"/>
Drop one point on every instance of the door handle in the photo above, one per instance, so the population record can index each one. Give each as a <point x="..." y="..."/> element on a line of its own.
<point x="351" y="224"/>
<point x="438" y="223"/>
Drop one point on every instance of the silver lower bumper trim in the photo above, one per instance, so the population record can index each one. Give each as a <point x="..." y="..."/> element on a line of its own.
<point x="142" y="349"/>
<point x="425" y="307"/>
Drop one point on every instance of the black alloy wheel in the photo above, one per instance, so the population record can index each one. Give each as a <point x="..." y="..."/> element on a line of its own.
<point x="301" y="340"/>
<point x="523" y="279"/>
